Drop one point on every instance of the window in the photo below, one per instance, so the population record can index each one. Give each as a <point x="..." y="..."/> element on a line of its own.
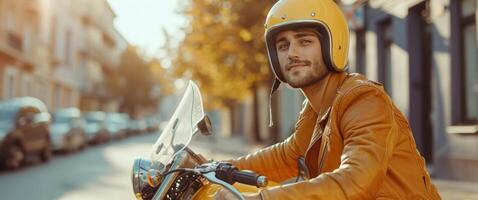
<point x="67" y="100"/>
<point x="384" y="53"/>
<point x="26" y="86"/>
<point x="58" y="96"/>
<point x="9" y="20"/>
<point x="27" y="38"/>
<point x="53" y="35"/>
<point x="43" y="91"/>
<point x="15" y="41"/>
<point x="11" y="87"/>
<point x="464" y="62"/>
<point x="468" y="8"/>
<point x="68" y="46"/>
<point x="471" y="71"/>
<point x="9" y="83"/>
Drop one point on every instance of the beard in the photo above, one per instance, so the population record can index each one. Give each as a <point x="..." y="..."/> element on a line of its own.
<point x="303" y="82"/>
<point x="303" y="79"/>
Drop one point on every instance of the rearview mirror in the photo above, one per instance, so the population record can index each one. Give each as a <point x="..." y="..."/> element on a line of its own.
<point x="205" y="126"/>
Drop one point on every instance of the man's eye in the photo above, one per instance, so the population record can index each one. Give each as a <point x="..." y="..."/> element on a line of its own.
<point x="305" y="42"/>
<point x="282" y="47"/>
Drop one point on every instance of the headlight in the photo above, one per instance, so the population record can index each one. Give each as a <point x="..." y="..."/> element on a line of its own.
<point x="140" y="175"/>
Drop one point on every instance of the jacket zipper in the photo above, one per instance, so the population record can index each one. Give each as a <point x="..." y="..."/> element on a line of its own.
<point x="324" y="152"/>
<point x="321" y="163"/>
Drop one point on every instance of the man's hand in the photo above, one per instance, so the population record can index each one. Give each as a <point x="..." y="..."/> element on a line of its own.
<point x="224" y="194"/>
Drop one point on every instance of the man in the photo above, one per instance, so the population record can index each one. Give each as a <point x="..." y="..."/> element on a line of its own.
<point x="355" y="143"/>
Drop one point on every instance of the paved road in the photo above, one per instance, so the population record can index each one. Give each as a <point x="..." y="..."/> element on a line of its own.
<point x="99" y="172"/>
<point x="103" y="172"/>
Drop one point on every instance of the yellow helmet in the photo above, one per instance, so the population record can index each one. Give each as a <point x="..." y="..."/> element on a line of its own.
<point x="323" y="15"/>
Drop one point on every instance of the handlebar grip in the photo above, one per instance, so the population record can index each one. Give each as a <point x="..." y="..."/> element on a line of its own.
<point x="249" y="178"/>
<point x="229" y="173"/>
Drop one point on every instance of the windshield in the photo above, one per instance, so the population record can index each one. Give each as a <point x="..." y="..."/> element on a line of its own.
<point x="114" y="118"/>
<point x="7" y="118"/>
<point x="7" y="113"/>
<point x="95" y="117"/>
<point x="180" y="128"/>
<point x="59" y="119"/>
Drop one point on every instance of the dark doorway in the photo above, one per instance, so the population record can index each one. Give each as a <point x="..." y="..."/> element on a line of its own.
<point x="384" y="47"/>
<point x="419" y="49"/>
<point x="360" y="52"/>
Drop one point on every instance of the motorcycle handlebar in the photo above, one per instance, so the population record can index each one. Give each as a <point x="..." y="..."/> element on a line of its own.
<point x="230" y="174"/>
<point x="249" y="178"/>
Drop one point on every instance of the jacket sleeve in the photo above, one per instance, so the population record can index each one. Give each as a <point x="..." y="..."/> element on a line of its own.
<point x="279" y="162"/>
<point x="366" y="117"/>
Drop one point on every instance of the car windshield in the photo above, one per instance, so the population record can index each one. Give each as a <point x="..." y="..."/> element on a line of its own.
<point x="7" y="113"/>
<point x="94" y="118"/>
<point x="7" y="117"/>
<point x="59" y="119"/>
<point x="180" y="128"/>
<point x="114" y="118"/>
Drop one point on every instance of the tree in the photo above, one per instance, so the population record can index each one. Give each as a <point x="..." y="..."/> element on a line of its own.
<point x="161" y="77"/>
<point x="224" y="51"/>
<point x="134" y="82"/>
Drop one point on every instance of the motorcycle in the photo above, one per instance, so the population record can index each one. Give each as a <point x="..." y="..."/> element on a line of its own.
<point x="175" y="171"/>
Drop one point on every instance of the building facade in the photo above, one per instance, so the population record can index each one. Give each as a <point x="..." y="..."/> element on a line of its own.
<point x="24" y="53"/>
<point x="58" y="51"/>
<point x="425" y="54"/>
<point x="65" y="34"/>
<point x="101" y="49"/>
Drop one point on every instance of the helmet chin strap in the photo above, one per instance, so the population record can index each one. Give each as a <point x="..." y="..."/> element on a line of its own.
<point x="275" y="86"/>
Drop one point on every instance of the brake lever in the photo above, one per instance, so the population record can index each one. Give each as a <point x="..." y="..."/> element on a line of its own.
<point x="211" y="177"/>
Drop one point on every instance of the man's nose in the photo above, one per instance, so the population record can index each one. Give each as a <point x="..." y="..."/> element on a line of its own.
<point x="293" y="51"/>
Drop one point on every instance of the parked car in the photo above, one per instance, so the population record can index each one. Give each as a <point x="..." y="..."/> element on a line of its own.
<point x="67" y="130"/>
<point x="125" y="119"/>
<point x="117" y="124"/>
<point x="95" y="127"/>
<point x="137" y="126"/>
<point x="24" y="131"/>
<point x="152" y="124"/>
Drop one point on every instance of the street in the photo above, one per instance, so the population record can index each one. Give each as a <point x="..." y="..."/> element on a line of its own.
<point x="103" y="171"/>
<point x="98" y="172"/>
<point x="78" y="72"/>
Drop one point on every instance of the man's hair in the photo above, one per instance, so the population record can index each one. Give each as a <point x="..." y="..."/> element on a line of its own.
<point x="317" y="33"/>
<point x="314" y="30"/>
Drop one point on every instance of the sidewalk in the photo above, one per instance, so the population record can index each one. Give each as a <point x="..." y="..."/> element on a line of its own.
<point x="456" y="190"/>
<point x="234" y="147"/>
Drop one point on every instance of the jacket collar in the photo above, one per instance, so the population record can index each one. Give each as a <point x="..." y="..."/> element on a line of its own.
<point x="327" y="91"/>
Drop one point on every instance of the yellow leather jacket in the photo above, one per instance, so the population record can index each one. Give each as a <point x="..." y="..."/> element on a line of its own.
<point x="359" y="146"/>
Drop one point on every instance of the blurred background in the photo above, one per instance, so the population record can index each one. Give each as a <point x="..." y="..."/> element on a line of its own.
<point x="87" y="85"/>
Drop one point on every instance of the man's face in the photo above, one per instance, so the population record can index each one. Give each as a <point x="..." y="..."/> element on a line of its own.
<point x="300" y="57"/>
